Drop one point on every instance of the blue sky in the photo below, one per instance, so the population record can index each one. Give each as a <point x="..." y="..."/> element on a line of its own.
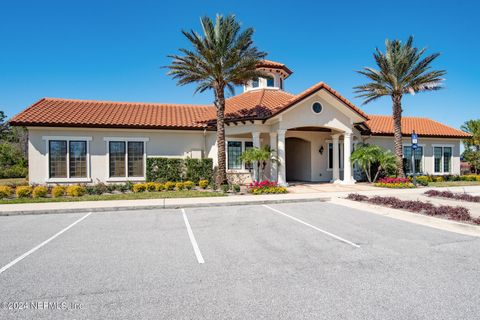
<point x="113" y="50"/>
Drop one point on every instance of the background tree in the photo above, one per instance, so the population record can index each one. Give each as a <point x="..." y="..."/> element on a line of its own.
<point x="373" y="160"/>
<point x="401" y="70"/>
<point x="222" y="57"/>
<point x="472" y="146"/>
<point x="13" y="150"/>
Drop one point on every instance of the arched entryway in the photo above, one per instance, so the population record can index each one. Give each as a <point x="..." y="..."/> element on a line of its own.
<point x="298" y="159"/>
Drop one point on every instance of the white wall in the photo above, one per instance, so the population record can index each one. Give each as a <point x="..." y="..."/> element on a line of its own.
<point x="428" y="144"/>
<point x="165" y="143"/>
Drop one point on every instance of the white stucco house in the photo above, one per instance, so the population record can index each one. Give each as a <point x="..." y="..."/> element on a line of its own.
<point x="313" y="133"/>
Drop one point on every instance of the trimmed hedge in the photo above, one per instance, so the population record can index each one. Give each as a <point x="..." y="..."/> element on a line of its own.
<point x="175" y="169"/>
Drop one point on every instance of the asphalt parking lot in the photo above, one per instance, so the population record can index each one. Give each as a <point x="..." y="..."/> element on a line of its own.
<point x="284" y="261"/>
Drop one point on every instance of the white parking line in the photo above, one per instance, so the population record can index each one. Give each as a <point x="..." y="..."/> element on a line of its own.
<point x="26" y="254"/>
<point x="198" y="254"/>
<point x="311" y="226"/>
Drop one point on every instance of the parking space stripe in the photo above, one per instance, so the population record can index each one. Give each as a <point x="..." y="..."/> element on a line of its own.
<point x="26" y="254"/>
<point x="198" y="254"/>
<point x="313" y="227"/>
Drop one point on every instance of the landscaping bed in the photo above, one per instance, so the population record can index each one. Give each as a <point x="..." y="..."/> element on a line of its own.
<point x="456" y="213"/>
<point x="452" y="195"/>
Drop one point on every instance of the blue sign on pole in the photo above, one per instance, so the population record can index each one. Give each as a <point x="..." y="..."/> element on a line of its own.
<point x="414" y="138"/>
<point x="414" y="146"/>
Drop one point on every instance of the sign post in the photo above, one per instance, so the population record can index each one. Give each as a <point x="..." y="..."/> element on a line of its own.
<point x="414" y="148"/>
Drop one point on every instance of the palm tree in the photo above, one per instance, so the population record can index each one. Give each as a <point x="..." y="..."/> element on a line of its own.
<point x="371" y="158"/>
<point x="222" y="57"/>
<point x="260" y="157"/>
<point x="472" y="145"/>
<point x="401" y="70"/>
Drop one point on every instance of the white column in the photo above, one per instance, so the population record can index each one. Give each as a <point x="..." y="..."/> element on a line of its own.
<point x="273" y="163"/>
<point x="256" y="144"/>
<point x="336" y="160"/>
<point x="282" y="174"/>
<point x="347" y="165"/>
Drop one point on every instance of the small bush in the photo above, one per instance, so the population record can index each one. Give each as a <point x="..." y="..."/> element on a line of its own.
<point x="75" y="191"/>
<point x="357" y="197"/>
<point x="151" y="186"/>
<point x="236" y="188"/>
<point x="422" y="180"/>
<point x="224" y="188"/>
<point x="266" y="187"/>
<point x="203" y="184"/>
<point x="169" y="185"/>
<point x="40" y="192"/>
<point x="100" y="188"/>
<point x="23" y="191"/>
<point x="159" y="186"/>
<point x="397" y="183"/>
<point x="139" y="187"/>
<point x="451" y="195"/>
<point x="58" y="191"/>
<point x="179" y="186"/>
<point x="5" y="192"/>
<point x="189" y="185"/>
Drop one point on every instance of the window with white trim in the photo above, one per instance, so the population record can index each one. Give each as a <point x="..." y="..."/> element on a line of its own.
<point x="442" y="159"/>
<point x="407" y="159"/>
<point x="67" y="158"/>
<point x="126" y="159"/>
<point x="330" y="155"/>
<point x="235" y="148"/>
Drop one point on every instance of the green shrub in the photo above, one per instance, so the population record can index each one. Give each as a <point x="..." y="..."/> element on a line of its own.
<point x="159" y="186"/>
<point x="203" y="184"/>
<point x="5" y="192"/>
<point x="169" y="185"/>
<point x="198" y="169"/>
<point x="139" y="187"/>
<point x="75" y="191"/>
<point x="179" y="186"/>
<point x="100" y="188"/>
<point x="174" y="169"/>
<point x="236" y="188"/>
<point x="422" y="180"/>
<point x="40" y="192"/>
<point x="151" y="186"/>
<point x="165" y="169"/>
<point x="58" y="191"/>
<point x="189" y="185"/>
<point x="224" y="188"/>
<point x="23" y="191"/>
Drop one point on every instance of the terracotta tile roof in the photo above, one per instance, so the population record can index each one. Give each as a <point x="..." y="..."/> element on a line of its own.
<point x="255" y="104"/>
<point x="87" y="113"/>
<point x="274" y="65"/>
<point x="383" y="125"/>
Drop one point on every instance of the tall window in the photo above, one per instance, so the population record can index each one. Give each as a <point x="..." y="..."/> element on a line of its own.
<point x="270" y="81"/>
<point x="57" y="159"/>
<point x="234" y="150"/>
<point x="67" y="159"/>
<point x="407" y="159"/>
<point x="255" y="83"/>
<point x="117" y="158"/>
<point x="442" y="159"/>
<point x="330" y="155"/>
<point x="135" y="159"/>
<point x="78" y="159"/>
<point x="126" y="159"/>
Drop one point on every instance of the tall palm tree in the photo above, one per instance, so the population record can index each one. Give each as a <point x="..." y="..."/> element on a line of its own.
<point x="222" y="57"/>
<point x="472" y="127"/>
<point x="401" y="70"/>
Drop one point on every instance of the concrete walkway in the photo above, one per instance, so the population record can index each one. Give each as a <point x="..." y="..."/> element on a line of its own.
<point x="334" y="191"/>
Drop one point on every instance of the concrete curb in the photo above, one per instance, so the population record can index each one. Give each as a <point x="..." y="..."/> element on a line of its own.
<point x="437" y="223"/>
<point x="164" y="206"/>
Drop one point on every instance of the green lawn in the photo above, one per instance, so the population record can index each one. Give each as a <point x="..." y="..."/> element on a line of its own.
<point x="123" y="196"/>
<point x="454" y="183"/>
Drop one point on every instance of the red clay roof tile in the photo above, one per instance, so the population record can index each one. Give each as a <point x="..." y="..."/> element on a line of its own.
<point x="383" y="125"/>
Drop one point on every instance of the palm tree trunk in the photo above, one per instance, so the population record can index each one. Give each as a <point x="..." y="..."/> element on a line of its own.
<point x="220" y="104"/>
<point x="397" y="131"/>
